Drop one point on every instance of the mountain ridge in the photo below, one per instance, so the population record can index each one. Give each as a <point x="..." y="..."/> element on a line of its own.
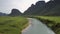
<point x="51" y="8"/>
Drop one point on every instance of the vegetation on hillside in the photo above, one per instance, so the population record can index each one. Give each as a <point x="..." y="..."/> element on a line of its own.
<point x="51" y="8"/>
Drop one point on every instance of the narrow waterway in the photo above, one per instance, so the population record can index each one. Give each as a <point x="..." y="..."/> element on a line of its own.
<point x="37" y="27"/>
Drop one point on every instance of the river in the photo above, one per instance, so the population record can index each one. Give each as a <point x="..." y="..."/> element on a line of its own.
<point x="36" y="27"/>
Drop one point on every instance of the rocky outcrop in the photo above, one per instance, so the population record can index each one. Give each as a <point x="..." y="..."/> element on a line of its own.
<point x="15" y="12"/>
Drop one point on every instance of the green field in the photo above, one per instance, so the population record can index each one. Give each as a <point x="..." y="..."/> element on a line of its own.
<point x="51" y="18"/>
<point x="51" y="21"/>
<point x="12" y="25"/>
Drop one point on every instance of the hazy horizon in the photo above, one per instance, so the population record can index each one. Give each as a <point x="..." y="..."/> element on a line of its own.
<point x="7" y="5"/>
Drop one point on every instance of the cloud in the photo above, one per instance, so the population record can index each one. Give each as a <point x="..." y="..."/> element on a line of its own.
<point x="7" y="5"/>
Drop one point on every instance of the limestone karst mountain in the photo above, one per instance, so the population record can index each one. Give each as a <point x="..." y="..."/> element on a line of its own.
<point x="51" y="8"/>
<point x="34" y="9"/>
<point x="15" y="12"/>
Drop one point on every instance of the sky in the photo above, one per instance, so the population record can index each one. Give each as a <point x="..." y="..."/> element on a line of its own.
<point x="7" y="5"/>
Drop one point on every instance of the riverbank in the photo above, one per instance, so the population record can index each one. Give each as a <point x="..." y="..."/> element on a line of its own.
<point x="37" y="27"/>
<point x="29" y="24"/>
<point x="12" y="25"/>
<point x="55" y="26"/>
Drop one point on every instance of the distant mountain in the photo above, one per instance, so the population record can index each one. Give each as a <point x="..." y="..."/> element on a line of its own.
<point x="51" y="8"/>
<point x="3" y="14"/>
<point x="49" y="5"/>
<point x="34" y="9"/>
<point x="15" y="12"/>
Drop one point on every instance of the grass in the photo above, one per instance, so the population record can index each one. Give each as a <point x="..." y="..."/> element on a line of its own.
<point x="52" y="22"/>
<point x="51" y="18"/>
<point x="12" y="25"/>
